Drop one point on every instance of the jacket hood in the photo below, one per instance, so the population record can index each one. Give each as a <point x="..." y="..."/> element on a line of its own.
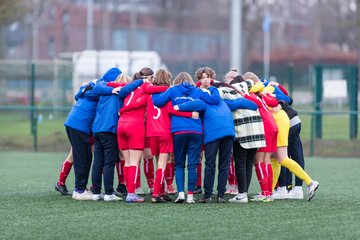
<point x="186" y="88"/>
<point x="111" y="74"/>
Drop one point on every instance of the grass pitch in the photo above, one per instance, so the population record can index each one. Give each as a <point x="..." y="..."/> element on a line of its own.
<point x="30" y="208"/>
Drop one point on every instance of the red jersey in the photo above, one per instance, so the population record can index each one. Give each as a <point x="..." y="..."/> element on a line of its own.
<point x="158" y="121"/>
<point x="265" y="113"/>
<point x="135" y="103"/>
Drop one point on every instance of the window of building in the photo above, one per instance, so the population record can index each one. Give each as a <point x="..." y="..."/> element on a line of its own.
<point x="51" y="46"/>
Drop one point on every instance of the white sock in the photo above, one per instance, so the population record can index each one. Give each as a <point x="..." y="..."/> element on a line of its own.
<point x="181" y="195"/>
<point x="190" y="197"/>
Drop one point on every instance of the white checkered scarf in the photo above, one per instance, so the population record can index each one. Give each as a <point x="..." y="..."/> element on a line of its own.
<point x="249" y="127"/>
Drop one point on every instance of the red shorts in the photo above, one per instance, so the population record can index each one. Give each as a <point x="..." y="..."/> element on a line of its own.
<point x="163" y="144"/>
<point x="270" y="139"/>
<point x="147" y="142"/>
<point x="131" y="134"/>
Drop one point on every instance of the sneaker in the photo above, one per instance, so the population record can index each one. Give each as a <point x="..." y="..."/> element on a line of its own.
<point x="112" y="197"/>
<point x="86" y="195"/>
<point x="269" y="198"/>
<point x="97" y="197"/>
<point x="221" y="200"/>
<point x="190" y="199"/>
<point x="296" y="193"/>
<point x="62" y="189"/>
<point x="74" y="194"/>
<point x="166" y="198"/>
<point x="134" y="198"/>
<point x="235" y="190"/>
<point x="240" y="198"/>
<point x="170" y="190"/>
<point x="198" y="190"/>
<point x="158" y="200"/>
<point x="281" y="193"/>
<point x="258" y="198"/>
<point x="314" y="185"/>
<point x="232" y="190"/>
<point x="139" y="191"/>
<point x="180" y="198"/>
<point x="121" y="188"/>
<point x="205" y="200"/>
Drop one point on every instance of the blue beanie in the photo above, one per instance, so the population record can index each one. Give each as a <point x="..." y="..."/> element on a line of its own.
<point x="111" y="74"/>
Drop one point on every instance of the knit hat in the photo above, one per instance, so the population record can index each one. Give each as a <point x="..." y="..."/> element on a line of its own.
<point x="111" y="74"/>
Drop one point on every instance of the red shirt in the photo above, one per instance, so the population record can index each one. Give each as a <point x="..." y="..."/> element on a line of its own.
<point x="135" y="103"/>
<point x="158" y="121"/>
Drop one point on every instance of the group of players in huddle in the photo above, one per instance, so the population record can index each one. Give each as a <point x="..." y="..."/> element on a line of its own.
<point x="244" y="121"/>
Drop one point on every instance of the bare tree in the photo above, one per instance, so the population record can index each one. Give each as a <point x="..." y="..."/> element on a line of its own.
<point x="9" y="12"/>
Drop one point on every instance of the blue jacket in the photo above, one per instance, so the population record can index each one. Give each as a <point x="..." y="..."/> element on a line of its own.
<point x="241" y="103"/>
<point x="218" y="119"/>
<point x="107" y="115"/>
<point x="82" y="114"/>
<point x="111" y="75"/>
<point x="179" y="94"/>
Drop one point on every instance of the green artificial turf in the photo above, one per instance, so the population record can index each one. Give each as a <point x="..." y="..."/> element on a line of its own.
<point x="30" y="208"/>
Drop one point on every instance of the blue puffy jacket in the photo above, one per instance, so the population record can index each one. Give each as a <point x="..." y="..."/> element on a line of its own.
<point x="82" y="114"/>
<point x="179" y="94"/>
<point x="107" y="115"/>
<point x="218" y="119"/>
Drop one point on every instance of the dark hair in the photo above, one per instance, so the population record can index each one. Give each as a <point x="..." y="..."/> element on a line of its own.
<point x="145" y="72"/>
<point x="237" y="79"/>
<point x="223" y="84"/>
<point x="137" y="75"/>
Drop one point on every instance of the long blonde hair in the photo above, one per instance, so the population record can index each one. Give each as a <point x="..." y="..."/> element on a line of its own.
<point x="182" y="78"/>
<point x="162" y="78"/>
<point x="123" y="78"/>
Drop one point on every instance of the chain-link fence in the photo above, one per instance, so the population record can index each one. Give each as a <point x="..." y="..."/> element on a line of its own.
<point x="36" y="98"/>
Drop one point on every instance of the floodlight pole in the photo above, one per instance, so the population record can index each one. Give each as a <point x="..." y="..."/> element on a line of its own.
<point x="236" y="35"/>
<point x="266" y="29"/>
<point x="133" y="20"/>
<point x="89" y="24"/>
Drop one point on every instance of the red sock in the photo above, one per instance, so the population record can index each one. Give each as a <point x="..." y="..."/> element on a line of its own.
<point x="231" y="176"/>
<point x="66" y="167"/>
<point x="169" y="173"/>
<point x="149" y="171"/>
<point x="126" y="175"/>
<point x="265" y="180"/>
<point x="260" y="173"/>
<point x="199" y="171"/>
<point x="159" y="179"/>
<point x="132" y="173"/>
<point x="138" y="180"/>
<point x="270" y="177"/>
<point x="162" y="189"/>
